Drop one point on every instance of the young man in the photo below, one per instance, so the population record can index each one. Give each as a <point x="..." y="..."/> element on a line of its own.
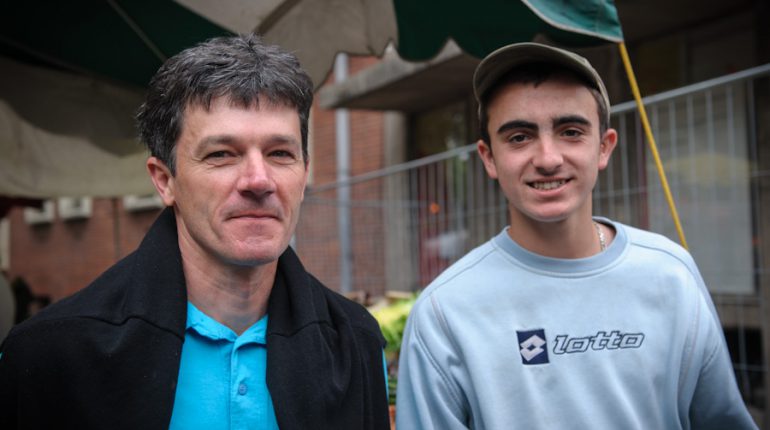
<point x="563" y="320"/>
<point x="212" y="323"/>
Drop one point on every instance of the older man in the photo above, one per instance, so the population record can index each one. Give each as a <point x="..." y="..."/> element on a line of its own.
<point x="213" y="322"/>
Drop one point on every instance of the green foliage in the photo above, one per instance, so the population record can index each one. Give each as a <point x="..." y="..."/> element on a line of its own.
<point x="392" y="386"/>
<point x="392" y="319"/>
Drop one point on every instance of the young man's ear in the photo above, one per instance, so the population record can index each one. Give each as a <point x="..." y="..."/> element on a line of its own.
<point x="485" y="153"/>
<point x="606" y="146"/>
<point x="162" y="179"/>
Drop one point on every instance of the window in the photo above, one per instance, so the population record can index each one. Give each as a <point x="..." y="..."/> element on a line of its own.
<point x="142" y="203"/>
<point x="43" y="215"/>
<point x="75" y="208"/>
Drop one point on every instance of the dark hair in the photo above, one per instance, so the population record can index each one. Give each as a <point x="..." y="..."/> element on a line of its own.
<point x="536" y="74"/>
<point x="241" y="68"/>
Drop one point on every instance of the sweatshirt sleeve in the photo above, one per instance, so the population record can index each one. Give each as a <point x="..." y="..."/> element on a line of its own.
<point x="716" y="401"/>
<point x="428" y="397"/>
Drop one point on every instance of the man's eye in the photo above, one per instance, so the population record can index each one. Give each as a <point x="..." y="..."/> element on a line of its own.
<point x="517" y="138"/>
<point x="283" y="154"/>
<point x="218" y="154"/>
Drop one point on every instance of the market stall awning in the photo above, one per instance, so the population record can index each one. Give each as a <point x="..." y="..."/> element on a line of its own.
<point x="73" y="135"/>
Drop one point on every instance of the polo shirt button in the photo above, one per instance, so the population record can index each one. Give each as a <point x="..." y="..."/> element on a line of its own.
<point x="242" y="389"/>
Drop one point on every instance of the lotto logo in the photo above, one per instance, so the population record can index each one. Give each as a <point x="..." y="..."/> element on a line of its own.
<point x="601" y="340"/>
<point x="533" y="346"/>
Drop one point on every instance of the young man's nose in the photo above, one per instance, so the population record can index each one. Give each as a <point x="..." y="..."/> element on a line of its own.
<point x="547" y="157"/>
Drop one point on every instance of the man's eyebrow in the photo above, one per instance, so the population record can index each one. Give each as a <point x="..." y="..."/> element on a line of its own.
<point x="571" y="119"/>
<point x="216" y="139"/>
<point x="517" y="123"/>
<point x="226" y="139"/>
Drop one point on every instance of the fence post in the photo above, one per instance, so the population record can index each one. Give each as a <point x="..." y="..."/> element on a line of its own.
<point x="342" y="129"/>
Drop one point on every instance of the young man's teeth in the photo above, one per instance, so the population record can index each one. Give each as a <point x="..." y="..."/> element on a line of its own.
<point x="547" y="185"/>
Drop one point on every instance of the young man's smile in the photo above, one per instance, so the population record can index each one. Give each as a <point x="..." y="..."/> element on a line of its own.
<point x="547" y="184"/>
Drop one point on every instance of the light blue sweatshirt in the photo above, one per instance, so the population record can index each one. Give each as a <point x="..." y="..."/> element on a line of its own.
<point x="625" y="339"/>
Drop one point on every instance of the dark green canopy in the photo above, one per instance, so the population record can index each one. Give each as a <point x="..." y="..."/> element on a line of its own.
<point x="101" y="38"/>
<point x="127" y="40"/>
<point x="480" y="27"/>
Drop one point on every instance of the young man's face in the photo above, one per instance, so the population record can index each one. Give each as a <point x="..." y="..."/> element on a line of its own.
<point x="240" y="179"/>
<point x="546" y="149"/>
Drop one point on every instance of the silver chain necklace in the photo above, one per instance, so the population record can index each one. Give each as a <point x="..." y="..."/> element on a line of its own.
<point x="602" y="243"/>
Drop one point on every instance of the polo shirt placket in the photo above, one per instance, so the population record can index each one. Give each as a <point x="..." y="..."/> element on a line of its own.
<point x="222" y="377"/>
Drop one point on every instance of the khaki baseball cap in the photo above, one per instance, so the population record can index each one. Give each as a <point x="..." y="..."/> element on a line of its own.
<point x="501" y="61"/>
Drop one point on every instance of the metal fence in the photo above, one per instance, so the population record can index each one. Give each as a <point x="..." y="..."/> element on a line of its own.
<point x="411" y="221"/>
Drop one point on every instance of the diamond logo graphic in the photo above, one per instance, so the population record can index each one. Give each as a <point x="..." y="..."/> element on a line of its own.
<point x="533" y="347"/>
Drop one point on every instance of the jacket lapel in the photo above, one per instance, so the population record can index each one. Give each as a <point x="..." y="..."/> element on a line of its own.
<point x="319" y="367"/>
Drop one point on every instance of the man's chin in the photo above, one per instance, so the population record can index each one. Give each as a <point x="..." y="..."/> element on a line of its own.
<point x="252" y="258"/>
<point x="251" y="261"/>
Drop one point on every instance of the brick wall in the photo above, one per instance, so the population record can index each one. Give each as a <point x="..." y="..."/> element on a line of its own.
<point x="60" y="258"/>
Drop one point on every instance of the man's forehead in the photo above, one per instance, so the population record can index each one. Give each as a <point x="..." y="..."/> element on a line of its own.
<point x="225" y="120"/>
<point x="530" y="100"/>
<point x="201" y="112"/>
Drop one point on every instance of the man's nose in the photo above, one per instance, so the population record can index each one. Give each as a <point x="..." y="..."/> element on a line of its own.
<point x="548" y="157"/>
<point x="255" y="176"/>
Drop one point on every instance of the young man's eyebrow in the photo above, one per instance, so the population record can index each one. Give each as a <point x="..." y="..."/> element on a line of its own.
<point x="517" y="123"/>
<point x="571" y="119"/>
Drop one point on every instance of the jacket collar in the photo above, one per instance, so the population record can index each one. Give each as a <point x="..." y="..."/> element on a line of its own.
<point x="294" y="302"/>
<point x="156" y="290"/>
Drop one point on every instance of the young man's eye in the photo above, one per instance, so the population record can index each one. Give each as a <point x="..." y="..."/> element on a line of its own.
<point x="573" y="133"/>
<point x="517" y="138"/>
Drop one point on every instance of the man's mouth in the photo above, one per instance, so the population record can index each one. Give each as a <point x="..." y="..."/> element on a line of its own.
<point x="547" y="185"/>
<point x="254" y="215"/>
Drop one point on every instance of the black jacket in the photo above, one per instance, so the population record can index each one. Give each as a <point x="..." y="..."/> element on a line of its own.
<point x="108" y="356"/>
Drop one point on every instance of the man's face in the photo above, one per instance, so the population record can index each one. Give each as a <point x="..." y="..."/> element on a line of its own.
<point x="240" y="179"/>
<point x="546" y="149"/>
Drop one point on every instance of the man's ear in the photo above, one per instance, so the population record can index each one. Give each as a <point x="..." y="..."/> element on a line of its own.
<point x="162" y="179"/>
<point x="485" y="153"/>
<point x="606" y="146"/>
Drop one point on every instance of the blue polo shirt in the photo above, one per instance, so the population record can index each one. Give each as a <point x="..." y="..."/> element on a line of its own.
<point x="222" y="377"/>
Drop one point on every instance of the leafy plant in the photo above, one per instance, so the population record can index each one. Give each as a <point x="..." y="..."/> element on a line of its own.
<point x="392" y="319"/>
